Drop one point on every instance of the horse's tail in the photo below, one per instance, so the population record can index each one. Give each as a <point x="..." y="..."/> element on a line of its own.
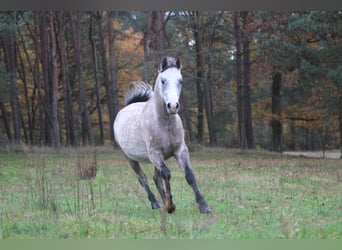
<point x="138" y="92"/>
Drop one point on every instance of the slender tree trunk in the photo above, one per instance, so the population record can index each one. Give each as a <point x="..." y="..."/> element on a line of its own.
<point x="159" y="32"/>
<point x="10" y="58"/>
<point x="147" y="45"/>
<point x="4" y="116"/>
<point x="54" y="83"/>
<point x="202" y="80"/>
<point x="340" y="127"/>
<point x="22" y="75"/>
<point x="246" y="82"/>
<point x="97" y="85"/>
<point x="187" y="119"/>
<point x="45" y="52"/>
<point x="107" y="84"/>
<point x="113" y="83"/>
<point x="38" y="77"/>
<point x="154" y="37"/>
<point x="68" y="111"/>
<point x="238" y="78"/>
<point x="83" y="114"/>
<point x="30" y="106"/>
<point x="276" y="112"/>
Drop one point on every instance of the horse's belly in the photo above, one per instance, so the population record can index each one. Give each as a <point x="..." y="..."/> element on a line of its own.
<point x="128" y="134"/>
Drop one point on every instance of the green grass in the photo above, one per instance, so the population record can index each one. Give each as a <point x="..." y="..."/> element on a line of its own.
<point x="255" y="194"/>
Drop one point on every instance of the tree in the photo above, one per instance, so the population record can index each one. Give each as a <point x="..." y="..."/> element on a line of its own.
<point x="107" y="84"/>
<point x="276" y="113"/>
<point x="97" y="84"/>
<point x="85" y="130"/>
<point x="203" y="90"/>
<point x="243" y="71"/>
<point x="54" y="82"/>
<point x="68" y="110"/>
<point x="247" y="109"/>
<point x="154" y="40"/>
<point x="9" y="43"/>
<point x="310" y="38"/>
<point x="113" y="84"/>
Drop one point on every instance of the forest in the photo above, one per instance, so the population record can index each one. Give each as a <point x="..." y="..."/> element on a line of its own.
<point x="252" y="79"/>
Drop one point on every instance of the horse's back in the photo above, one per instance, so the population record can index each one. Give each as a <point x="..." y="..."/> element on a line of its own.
<point x="127" y="131"/>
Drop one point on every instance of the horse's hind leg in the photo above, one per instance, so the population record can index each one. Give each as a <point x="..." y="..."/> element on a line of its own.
<point x="144" y="183"/>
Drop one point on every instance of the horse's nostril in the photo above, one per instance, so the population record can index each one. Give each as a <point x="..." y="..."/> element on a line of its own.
<point x="177" y="105"/>
<point x="168" y="105"/>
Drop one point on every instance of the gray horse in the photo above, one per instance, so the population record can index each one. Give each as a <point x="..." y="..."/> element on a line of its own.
<point x="148" y="128"/>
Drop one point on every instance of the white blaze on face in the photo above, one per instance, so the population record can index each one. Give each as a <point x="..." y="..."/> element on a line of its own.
<point x="170" y="89"/>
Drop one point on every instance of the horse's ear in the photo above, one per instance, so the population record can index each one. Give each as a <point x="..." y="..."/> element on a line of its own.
<point x="163" y="64"/>
<point x="178" y="63"/>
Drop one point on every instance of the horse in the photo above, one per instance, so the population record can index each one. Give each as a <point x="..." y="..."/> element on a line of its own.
<point x="149" y="129"/>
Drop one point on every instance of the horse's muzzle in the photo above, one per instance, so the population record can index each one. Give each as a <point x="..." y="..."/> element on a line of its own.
<point x="172" y="108"/>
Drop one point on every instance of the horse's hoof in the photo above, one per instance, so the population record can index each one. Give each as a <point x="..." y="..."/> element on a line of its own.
<point x="171" y="209"/>
<point x="155" y="205"/>
<point x="205" y="210"/>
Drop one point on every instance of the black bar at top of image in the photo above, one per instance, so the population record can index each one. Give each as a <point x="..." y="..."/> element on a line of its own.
<point x="83" y="5"/>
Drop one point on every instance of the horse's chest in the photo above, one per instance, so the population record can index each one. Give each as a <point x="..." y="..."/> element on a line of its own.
<point x="166" y="139"/>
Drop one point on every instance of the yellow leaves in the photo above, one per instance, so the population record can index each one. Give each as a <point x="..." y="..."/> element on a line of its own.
<point x="129" y="57"/>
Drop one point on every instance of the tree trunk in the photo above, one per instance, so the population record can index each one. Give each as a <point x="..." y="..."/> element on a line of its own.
<point x="238" y="79"/>
<point x="246" y="82"/>
<point x="85" y="131"/>
<point x="45" y="52"/>
<point x="6" y="121"/>
<point x="68" y="111"/>
<point x="187" y="119"/>
<point x="22" y="75"/>
<point x="97" y="85"/>
<point x="38" y="78"/>
<point x="340" y="127"/>
<point x="54" y="83"/>
<point x="276" y="112"/>
<point x="10" y="58"/>
<point x="154" y="37"/>
<point x="200" y="62"/>
<point x="108" y="86"/>
<point x="113" y="83"/>
<point x="199" y="80"/>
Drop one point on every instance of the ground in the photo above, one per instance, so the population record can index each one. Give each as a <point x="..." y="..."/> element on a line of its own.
<point x="254" y="195"/>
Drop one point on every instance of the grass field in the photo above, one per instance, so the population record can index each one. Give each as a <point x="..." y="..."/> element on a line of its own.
<point x="255" y="194"/>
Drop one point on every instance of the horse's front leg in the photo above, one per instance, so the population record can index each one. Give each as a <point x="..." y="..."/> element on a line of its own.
<point x="144" y="182"/>
<point x="162" y="176"/>
<point x="182" y="156"/>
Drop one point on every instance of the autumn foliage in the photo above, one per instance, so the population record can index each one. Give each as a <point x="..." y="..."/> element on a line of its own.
<point x="251" y="79"/>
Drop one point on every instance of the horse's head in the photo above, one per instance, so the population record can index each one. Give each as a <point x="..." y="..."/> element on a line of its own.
<point x="170" y="83"/>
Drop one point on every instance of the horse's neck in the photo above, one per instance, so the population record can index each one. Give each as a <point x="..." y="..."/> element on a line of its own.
<point x="159" y="106"/>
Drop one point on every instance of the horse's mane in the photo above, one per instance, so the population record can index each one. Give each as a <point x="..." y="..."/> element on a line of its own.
<point x="138" y="92"/>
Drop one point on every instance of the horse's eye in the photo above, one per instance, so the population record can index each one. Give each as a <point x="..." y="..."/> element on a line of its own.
<point x="181" y="82"/>
<point x="163" y="81"/>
